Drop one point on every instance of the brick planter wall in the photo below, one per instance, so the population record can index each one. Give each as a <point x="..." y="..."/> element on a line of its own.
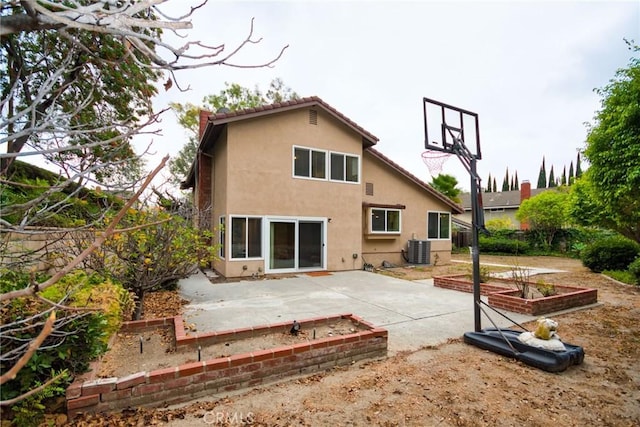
<point x="192" y="380"/>
<point x="568" y="297"/>
<point x="506" y="299"/>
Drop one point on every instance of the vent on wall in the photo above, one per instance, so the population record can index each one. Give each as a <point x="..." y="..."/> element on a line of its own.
<point x="419" y="251"/>
<point x="368" y="188"/>
<point x="313" y="117"/>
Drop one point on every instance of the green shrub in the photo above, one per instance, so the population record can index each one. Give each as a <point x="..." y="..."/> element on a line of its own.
<point x="634" y="270"/>
<point x="502" y="246"/>
<point x="30" y="411"/>
<point x="611" y="253"/>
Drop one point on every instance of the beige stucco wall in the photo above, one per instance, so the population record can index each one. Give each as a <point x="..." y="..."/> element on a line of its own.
<point x="392" y="188"/>
<point x="253" y="176"/>
<point x="260" y="182"/>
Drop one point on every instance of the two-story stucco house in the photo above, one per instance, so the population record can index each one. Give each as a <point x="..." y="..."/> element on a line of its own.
<point x="298" y="187"/>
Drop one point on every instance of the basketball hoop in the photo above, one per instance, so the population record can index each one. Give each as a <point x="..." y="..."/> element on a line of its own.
<point x="434" y="161"/>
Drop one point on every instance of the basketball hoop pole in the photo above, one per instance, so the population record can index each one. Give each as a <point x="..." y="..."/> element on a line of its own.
<point x="455" y="125"/>
<point x="475" y="245"/>
<point x="469" y="161"/>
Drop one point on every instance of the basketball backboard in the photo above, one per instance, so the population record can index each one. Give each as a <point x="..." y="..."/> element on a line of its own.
<point x="446" y="125"/>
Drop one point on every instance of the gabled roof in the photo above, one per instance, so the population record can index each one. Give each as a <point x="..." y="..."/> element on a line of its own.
<point x="294" y="104"/>
<point x="499" y="199"/>
<point x="457" y="209"/>
<point x="215" y="123"/>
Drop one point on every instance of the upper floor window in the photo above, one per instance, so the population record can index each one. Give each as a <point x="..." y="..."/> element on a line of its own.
<point x="313" y="163"/>
<point x="246" y="237"/>
<point x="384" y="220"/>
<point x="438" y="225"/>
<point x="345" y="167"/>
<point x="309" y="163"/>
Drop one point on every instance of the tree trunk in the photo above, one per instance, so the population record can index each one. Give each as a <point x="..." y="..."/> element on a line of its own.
<point x="138" y="311"/>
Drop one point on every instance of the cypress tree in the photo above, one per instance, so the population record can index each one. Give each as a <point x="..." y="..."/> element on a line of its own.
<point x="578" y="168"/>
<point x="495" y="187"/>
<point x="511" y="187"/>
<point x="505" y="181"/>
<point x="489" y="184"/>
<point x="517" y="184"/>
<point x="552" y="179"/>
<point x="563" y="178"/>
<point x="571" y="176"/>
<point x="542" y="177"/>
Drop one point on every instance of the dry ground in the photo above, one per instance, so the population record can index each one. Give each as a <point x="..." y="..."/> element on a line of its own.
<point x="453" y="384"/>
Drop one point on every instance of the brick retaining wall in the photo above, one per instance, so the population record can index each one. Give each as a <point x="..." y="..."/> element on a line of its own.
<point x="506" y="299"/>
<point x="191" y="380"/>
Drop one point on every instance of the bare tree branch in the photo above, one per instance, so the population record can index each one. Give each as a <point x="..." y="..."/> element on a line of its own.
<point x="33" y="346"/>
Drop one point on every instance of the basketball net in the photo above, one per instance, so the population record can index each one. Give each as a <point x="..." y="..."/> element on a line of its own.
<point x="434" y="161"/>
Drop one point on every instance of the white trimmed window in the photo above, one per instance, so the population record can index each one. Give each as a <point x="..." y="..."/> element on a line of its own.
<point x="325" y="165"/>
<point x="384" y="220"/>
<point x="438" y="225"/>
<point x="345" y="167"/>
<point x="246" y="237"/>
<point x="309" y="163"/>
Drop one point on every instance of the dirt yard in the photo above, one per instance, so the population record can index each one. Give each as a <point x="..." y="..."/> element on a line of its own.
<point x="453" y="384"/>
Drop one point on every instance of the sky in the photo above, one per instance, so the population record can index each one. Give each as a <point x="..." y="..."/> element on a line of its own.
<point x="527" y="68"/>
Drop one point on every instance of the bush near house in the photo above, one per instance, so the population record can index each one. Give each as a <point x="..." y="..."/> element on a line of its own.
<point x="567" y="242"/>
<point x="611" y="253"/>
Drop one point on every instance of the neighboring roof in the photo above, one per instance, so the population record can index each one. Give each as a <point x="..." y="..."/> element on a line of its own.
<point x="217" y="121"/>
<point x="460" y="223"/>
<point x="498" y="199"/>
<point x="457" y="209"/>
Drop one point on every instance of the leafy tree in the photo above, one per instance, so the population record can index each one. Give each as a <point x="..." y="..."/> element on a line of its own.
<point x="153" y="251"/>
<point x="542" y="176"/>
<point x="233" y="97"/>
<point x="552" y="179"/>
<point x="613" y="151"/>
<point x="447" y="185"/>
<point x="546" y="212"/>
<point x="76" y="79"/>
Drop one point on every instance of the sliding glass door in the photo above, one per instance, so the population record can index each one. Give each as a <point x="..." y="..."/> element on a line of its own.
<point x="296" y="244"/>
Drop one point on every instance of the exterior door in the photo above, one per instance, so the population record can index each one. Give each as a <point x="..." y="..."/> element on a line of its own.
<point x="310" y="247"/>
<point x="296" y="245"/>
<point x="282" y="245"/>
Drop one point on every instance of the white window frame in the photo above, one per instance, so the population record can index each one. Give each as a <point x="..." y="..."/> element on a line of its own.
<point x="439" y="225"/>
<point x="327" y="165"/>
<point x="344" y="167"/>
<point x="311" y="151"/>
<point x="246" y="237"/>
<point x="386" y="226"/>
<point x="222" y="232"/>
